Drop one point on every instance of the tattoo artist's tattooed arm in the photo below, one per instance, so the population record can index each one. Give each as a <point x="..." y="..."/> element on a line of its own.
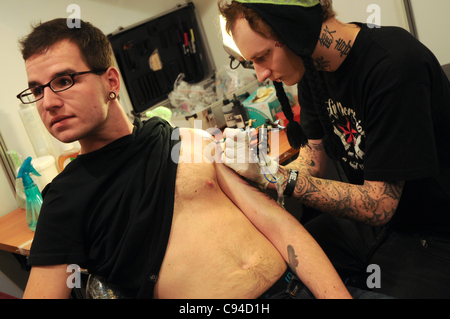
<point x="312" y="160"/>
<point x="373" y="203"/>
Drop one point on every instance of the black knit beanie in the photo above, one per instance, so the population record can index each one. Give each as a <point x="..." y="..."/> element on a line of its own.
<point x="298" y="24"/>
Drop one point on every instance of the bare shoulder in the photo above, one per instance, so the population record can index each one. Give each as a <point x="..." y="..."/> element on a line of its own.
<point x="198" y="146"/>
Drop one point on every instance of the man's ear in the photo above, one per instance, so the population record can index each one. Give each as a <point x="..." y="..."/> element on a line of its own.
<point x="113" y="78"/>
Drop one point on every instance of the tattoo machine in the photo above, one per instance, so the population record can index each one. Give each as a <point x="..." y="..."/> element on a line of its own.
<point x="259" y="145"/>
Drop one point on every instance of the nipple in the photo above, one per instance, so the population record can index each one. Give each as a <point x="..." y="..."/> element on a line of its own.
<point x="209" y="183"/>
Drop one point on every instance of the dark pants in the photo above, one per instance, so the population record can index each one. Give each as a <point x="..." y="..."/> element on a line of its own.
<point x="297" y="290"/>
<point x="291" y="287"/>
<point x="409" y="265"/>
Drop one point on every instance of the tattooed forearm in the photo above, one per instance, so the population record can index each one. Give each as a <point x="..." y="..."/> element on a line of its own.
<point x="373" y="203"/>
<point x="310" y="160"/>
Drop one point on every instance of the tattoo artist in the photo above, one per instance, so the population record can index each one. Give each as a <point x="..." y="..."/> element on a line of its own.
<point x="376" y="102"/>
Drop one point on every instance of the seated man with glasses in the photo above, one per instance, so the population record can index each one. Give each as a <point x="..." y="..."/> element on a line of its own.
<point x="127" y="211"/>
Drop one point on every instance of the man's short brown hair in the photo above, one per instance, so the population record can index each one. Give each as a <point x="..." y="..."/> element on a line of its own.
<point x="93" y="43"/>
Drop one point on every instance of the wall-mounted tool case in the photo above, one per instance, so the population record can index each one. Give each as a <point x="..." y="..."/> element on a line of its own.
<point x="151" y="54"/>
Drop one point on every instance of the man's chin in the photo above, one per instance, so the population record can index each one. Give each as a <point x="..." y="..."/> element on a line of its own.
<point x="64" y="138"/>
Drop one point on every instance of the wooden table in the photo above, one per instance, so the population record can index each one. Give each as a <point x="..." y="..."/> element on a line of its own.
<point x="285" y="150"/>
<point x="15" y="236"/>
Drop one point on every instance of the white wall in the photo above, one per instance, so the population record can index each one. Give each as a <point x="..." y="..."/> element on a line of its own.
<point x="392" y="12"/>
<point x="431" y="19"/>
<point x="432" y="23"/>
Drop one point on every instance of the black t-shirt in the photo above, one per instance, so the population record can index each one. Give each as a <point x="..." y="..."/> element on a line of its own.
<point x="110" y="210"/>
<point x="390" y="105"/>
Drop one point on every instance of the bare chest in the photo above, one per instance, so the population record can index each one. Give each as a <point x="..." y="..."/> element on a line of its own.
<point x="194" y="180"/>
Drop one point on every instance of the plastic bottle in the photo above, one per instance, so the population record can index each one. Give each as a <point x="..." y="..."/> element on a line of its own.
<point x="45" y="166"/>
<point x="47" y="170"/>
<point x="39" y="136"/>
<point x="227" y="110"/>
<point x="240" y="114"/>
<point x="34" y="197"/>
<point x="70" y="152"/>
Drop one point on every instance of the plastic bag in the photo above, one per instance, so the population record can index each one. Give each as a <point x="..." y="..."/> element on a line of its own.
<point x="191" y="98"/>
<point x="228" y="81"/>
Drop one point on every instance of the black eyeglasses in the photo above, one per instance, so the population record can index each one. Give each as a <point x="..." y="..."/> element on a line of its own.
<point x="58" y="84"/>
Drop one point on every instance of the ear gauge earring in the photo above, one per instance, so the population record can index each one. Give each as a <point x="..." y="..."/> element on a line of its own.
<point x="112" y="96"/>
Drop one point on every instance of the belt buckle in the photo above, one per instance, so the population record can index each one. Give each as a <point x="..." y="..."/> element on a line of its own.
<point x="294" y="286"/>
<point x="297" y="289"/>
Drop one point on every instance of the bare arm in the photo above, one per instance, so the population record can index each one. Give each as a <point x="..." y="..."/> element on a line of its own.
<point x="295" y="244"/>
<point x="373" y="203"/>
<point x="48" y="282"/>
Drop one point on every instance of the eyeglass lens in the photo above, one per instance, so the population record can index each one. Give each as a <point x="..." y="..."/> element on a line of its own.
<point x="58" y="84"/>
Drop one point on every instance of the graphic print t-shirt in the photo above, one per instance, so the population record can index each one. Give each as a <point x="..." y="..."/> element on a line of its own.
<point x="389" y="103"/>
